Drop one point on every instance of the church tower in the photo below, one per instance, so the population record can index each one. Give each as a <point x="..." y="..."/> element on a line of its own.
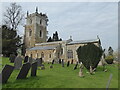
<point x="35" y="29"/>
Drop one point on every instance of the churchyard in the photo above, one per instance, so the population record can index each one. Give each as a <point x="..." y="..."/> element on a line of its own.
<point x="62" y="76"/>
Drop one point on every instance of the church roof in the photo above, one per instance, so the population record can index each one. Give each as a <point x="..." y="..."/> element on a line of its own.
<point x="83" y="41"/>
<point x="43" y="48"/>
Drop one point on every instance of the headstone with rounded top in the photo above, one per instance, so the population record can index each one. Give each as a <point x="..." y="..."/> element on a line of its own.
<point x="34" y="69"/>
<point x="24" y="71"/>
<point x="18" y="62"/>
<point x="5" y="74"/>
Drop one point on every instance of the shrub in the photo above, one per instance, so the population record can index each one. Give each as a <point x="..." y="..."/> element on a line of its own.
<point x="89" y="55"/>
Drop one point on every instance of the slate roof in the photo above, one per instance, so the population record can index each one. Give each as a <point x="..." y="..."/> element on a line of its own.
<point x="43" y="48"/>
<point x="83" y="41"/>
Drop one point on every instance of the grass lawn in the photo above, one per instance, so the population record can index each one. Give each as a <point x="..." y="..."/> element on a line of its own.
<point x="63" y="77"/>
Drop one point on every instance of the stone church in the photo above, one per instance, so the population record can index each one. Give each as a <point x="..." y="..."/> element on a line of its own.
<point x="36" y="44"/>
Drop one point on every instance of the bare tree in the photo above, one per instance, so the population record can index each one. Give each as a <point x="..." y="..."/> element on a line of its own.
<point x="13" y="16"/>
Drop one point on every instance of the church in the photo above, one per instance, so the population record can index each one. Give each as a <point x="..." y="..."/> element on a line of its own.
<point x="36" y="44"/>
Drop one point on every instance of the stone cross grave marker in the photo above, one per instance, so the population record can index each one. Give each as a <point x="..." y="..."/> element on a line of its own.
<point x="12" y="58"/>
<point x="26" y="59"/>
<point x="24" y="71"/>
<point x="6" y="72"/>
<point x="34" y="69"/>
<point x="18" y="62"/>
<point x="68" y="63"/>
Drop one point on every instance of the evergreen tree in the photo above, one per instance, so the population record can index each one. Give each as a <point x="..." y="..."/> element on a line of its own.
<point x="50" y="39"/>
<point x="54" y="38"/>
<point x="10" y="41"/>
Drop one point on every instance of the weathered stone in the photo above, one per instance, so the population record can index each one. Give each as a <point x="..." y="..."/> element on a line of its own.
<point x="18" y="62"/>
<point x="30" y="60"/>
<point x="34" y="69"/>
<point x="39" y="61"/>
<point x="26" y="59"/>
<point x="12" y="58"/>
<point x="6" y="72"/>
<point x="24" y="71"/>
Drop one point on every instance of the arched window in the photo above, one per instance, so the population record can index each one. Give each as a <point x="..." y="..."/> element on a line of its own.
<point x="42" y="55"/>
<point x="70" y="54"/>
<point x="40" y="33"/>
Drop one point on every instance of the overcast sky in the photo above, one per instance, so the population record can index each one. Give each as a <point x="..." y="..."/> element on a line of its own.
<point x="81" y="20"/>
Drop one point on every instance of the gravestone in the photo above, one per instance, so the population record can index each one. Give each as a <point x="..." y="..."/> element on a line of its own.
<point x="39" y="61"/>
<point x="59" y="61"/>
<point x="34" y="69"/>
<point x="75" y="67"/>
<point x="42" y="67"/>
<point x="30" y="60"/>
<point x="18" y="62"/>
<point x="62" y="63"/>
<point x="26" y="59"/>
<point x="6" y="72"/>
<point x="24" y="71"/>
<point x="53" y="61"/>
<point x="68" y="63"/>
<point x="51" y="66"/>
<point x="72" y="61"/>
<point x="12" y="58"/>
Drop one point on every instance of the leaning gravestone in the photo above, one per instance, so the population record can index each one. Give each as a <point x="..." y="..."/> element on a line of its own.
<point x="30" y="60"/>
<point x="24" y="71"/>
<point x="6" y="72"/>
<point x="34" y="69"/>
<point x="68" y="63"/>
<point x="26" y="59"/>
<point x="62" y="63"/>
<point x="39" y="61"/>
<point x="53" y="61"/>
<point x="72" y="61"/>
<point x="75" y="67"/>
<point x="12" y="58"/>
<point x="18" y="62"/>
